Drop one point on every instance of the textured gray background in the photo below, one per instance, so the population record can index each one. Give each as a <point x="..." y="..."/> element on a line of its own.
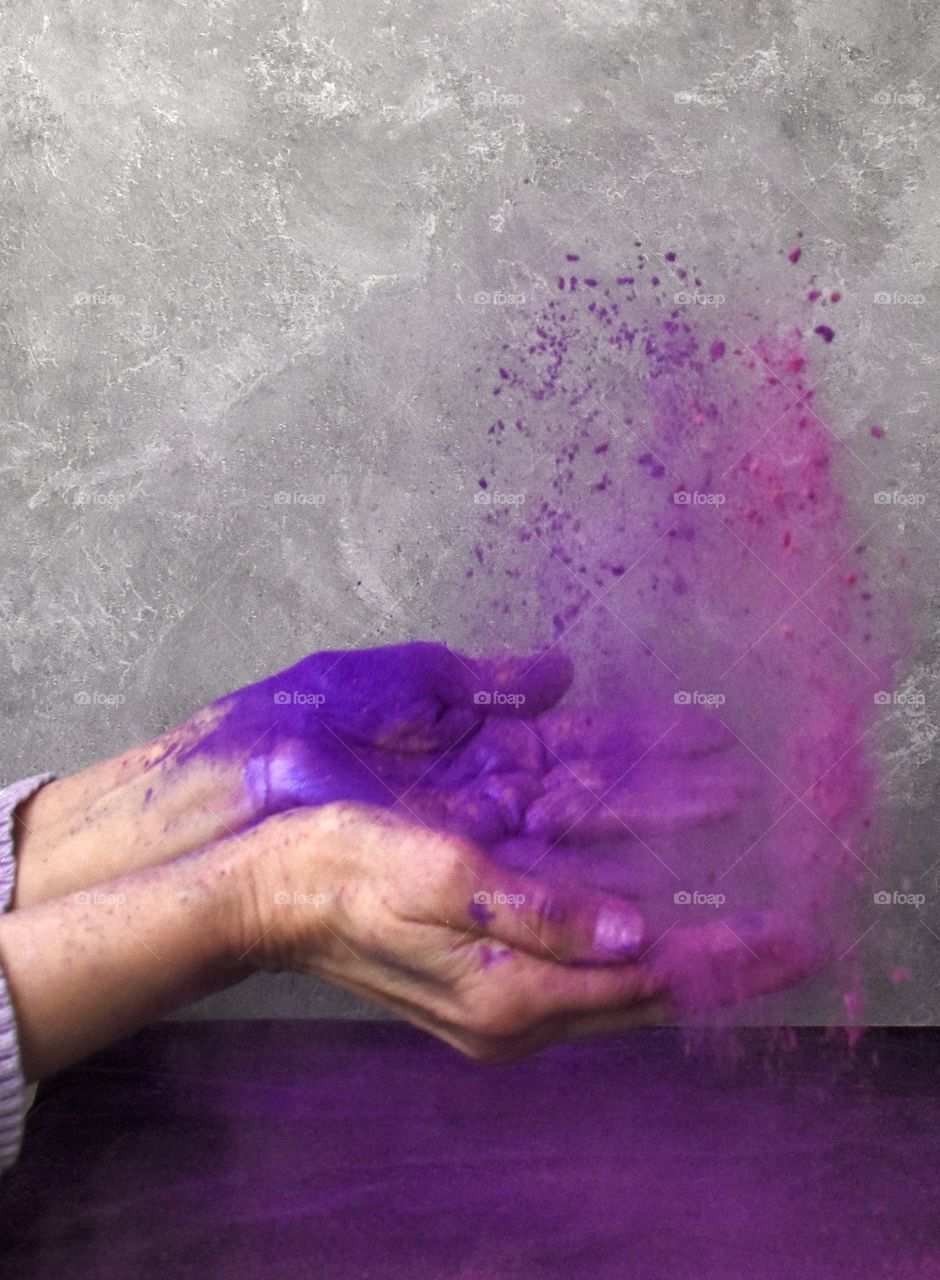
<point x="241" y="245"/>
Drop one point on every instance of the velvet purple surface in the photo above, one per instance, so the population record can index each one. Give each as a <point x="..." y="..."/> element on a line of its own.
<point x="276" y="1150"/>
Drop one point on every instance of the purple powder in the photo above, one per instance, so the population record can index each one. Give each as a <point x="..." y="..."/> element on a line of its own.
<point x="723" y="592"/>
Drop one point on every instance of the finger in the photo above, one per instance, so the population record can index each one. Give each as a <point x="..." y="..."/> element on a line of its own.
<point x="646" y="805"/>
<point x="631" y="732"/>
<point x="501" y="746"/>
<point x="731" y="960"/>
<point x="517" y="685"/>
<point x="521" y="1004"/>
<point x="486" y="810"/>
<point x="552" y="921"/>
<point x="609" y="866"/>
<point x="391" y="696"/>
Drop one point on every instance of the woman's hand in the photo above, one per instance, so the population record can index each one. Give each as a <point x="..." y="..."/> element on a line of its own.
<point x="418" y="726"/>
<point x="635" y="772"/>
<point x="494" y="963"/>
<point x="425" y="924"/>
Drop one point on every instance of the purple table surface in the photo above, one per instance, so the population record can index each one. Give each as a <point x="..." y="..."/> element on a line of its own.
<point x="343" y="1150"/>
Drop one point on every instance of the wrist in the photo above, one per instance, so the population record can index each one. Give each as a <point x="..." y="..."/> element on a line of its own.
<point x="287" y="870"/>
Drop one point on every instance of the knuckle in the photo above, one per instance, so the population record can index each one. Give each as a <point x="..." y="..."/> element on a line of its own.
<point x="545" y="912"/>
<point x="451" y="865"/>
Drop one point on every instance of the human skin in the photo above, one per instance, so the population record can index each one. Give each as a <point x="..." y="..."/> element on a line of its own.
<point x="374" y="903"/>
<point x="368" y="900"/>
<point x="397" y="726"/>
<point x="393" y="780"/>
<point x="388" y="719"/>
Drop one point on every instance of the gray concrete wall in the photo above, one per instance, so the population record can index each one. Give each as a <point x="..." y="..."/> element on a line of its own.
<point x="240" y="249"/>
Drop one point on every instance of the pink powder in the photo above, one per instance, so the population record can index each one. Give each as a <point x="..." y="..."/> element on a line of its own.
<point x="680" y="515"/>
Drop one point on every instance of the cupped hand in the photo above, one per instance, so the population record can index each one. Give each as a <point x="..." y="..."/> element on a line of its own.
<point x="417" y="726"/>
<point x="636" y="770"/>
<point x="494" y="963"/>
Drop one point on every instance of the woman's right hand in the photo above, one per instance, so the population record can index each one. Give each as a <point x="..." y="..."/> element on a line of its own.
<point x="495" y="963"/>
<point x="426" y="924"/>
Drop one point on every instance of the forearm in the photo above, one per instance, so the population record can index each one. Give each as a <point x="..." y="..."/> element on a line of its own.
<point x="123" y="814"/>
<point x="87" y="969"/>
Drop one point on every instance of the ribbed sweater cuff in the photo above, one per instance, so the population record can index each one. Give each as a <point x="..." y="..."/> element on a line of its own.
<point x="12" y="1100"/>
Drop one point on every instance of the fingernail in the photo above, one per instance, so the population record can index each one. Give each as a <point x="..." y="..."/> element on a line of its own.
<point x="617" y="932"/>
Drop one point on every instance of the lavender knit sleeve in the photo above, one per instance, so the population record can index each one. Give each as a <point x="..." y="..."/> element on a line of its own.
<point x="12" y="1105"/>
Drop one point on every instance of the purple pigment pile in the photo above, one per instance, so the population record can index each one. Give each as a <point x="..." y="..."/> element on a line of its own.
<point x="663" y="497"/>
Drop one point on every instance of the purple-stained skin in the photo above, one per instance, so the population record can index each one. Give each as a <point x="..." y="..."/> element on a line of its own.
<point x="692" y="545"/>
<point x="416" y="726"/>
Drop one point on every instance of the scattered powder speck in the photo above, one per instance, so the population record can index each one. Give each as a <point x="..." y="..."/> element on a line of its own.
<point x="675" y="509"/>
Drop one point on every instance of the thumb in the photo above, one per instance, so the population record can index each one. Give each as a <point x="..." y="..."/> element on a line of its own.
<point x="555" y="922"/>
<point x="516" y="684"/>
